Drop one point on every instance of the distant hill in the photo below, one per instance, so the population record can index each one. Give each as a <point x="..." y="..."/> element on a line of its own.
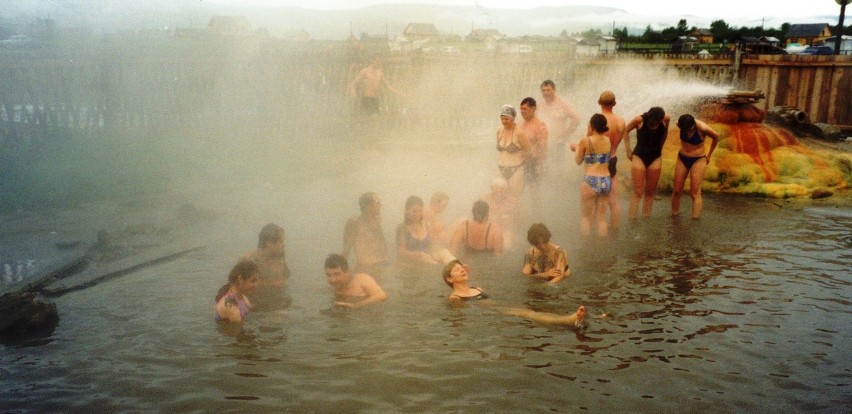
<point x="111" y="16"/>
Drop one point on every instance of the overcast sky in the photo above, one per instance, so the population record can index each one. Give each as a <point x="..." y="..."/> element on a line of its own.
<point x="721" y="9"/>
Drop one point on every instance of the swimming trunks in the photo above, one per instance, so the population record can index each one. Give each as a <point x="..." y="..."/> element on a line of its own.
<point x="600" y="185"/>
<point x="470" y="250"/>
<point x="479" y="296"/>
<point x="649" y="142"/>
<point x="689" y="161"/>
<point x="233" y="300"/>
<point x="694" y="139"/>
<point x="534" y="170"/>
<point x="369" y="105"/>
<point x="508" y="172"/>
<point x="613" y="161"/>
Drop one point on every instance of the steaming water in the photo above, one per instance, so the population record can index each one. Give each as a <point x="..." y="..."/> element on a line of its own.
<point x="746" y="310"/>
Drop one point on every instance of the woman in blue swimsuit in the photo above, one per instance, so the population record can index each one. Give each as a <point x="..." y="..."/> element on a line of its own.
<point x="652" y="128"/>
<point x="413" y="241"/>
<point x="232" y="305"/>
<point x="692" y="161"/>
<point x="594" y="152"/>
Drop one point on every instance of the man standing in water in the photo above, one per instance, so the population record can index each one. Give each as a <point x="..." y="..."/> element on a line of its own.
<point x="351" y="291"/>
<point x="272" y="264"/>
<point x="364" y="234"/>
<point x="536" y="131"/>
<point x="615" y="134"/>
<point x="369" y="82"/>
<point x="561" y="120"/>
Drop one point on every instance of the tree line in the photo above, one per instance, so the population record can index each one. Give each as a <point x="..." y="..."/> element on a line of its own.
<point x="721" y="30"/>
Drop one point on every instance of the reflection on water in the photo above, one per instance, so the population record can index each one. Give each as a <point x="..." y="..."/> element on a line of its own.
<point x="746" y="310"/>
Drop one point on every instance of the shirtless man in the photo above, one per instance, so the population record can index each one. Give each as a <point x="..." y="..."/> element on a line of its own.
<point x="351" y="291"/>
<point x="561" y="120"/>
<point x="369" y="81"/>
<point x="615" y="134"/>
<point x="274" y="272"/>
<point x="536" y="131"/>
<point x="364" y="234"/>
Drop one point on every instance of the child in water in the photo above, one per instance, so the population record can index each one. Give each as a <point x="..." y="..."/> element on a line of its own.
<point x="232" y="305"/>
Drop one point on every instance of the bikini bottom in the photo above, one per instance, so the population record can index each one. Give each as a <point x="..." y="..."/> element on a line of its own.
<point x="688" y="161"/>
<point x="508" y="172"/>
<point x="600" y="185"/>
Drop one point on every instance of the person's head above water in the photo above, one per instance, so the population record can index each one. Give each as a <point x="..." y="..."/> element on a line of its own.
<point x="508" y="110"/>
<point x="538" y="233"/>
<point x="480" y="211"/>
<point x="654" y="115"/>
<point x="243" y="276"/>
<point x="447" y="272"/>
<point x="270" y="233"/>
<point x="413" y="209"/>
<point x="607" y="98"/>
<point x="598" y="123"/>
<point x="368" y="200"/>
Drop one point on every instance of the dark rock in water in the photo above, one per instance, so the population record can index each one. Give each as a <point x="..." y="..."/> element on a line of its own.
<point x="821" y="194"/>
<point x="22" y="312"/>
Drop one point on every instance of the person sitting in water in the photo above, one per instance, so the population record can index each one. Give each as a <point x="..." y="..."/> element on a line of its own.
<point x="232" y="303"/>
<point x="502" y="209"/>
<point x="456" y="275"/>
<point x="545" y="260"/>
<point x="364" y="235"/>
<point x="432" y="214"/>
<point x="593" y="151"/>
<point x="351" y="290"/>
<point x="274" y="272"/>
<point x="413" y="240"/>
<point x="477" y="236"/>
<point x="692" y="161"/>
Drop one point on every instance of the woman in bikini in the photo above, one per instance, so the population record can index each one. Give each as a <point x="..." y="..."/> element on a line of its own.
<point x="544" y="260"/>
<point x="652" y="128"/>
<point x="232" y="305"/>
<point x="478" y="236"/>
<point x="455" y="275"/>
<point x="692" y="161"/>
<point x="513" y="149"/>
<point x="594" y="152"/>
<point x="413" y="242"/>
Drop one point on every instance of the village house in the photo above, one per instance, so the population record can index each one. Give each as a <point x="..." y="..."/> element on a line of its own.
<point x="808" y="34"/>
<point x="484" y="35"/>
<point x="703" y="35"/>
<point x="421" y="31"/>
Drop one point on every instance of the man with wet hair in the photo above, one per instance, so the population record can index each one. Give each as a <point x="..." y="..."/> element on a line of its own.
<point x="536" y="131"/>
<point x="351" y="291"/>
<point x="364" y="235"/>
<point x="274" y="273"/>
<point x="561" y="120"/>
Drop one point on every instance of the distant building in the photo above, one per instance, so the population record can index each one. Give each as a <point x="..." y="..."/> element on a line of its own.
<point x="229" y="26"/>
<point x="421" y="31"/>
<point x="769" y="40"/>
<point x="703" y="35"/>
<point x="845" y="44"/>
<point x="808" y="34"/>
<point x="684" y="44"/>
<point x="607" y="44"/>
<point x="484" y="35"/>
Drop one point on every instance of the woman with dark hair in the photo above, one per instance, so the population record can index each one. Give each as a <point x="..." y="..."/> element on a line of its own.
<point x="413" y="241"/>
<point x="455" y="275"/>
<point x="477" y="236"/>
<point x="544" y="260"/>
<point x="692" y="160"/>
<point x="232" y="305"/>
<point x="652" y="128"/>
<point x="593" y="151"/>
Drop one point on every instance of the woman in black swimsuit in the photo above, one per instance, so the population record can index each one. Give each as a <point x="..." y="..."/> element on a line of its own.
<point x="652" y="128"/>
<point x="479" y="236"/>
<point x="692" y="160"/>
<point x="455" y="275"/>
<point x="513" y="149"/>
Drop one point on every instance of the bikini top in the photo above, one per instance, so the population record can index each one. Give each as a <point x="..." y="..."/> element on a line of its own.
<point x="595" y="158"/>
<point x="511" y="148"/>
<point x="694" y="139"/>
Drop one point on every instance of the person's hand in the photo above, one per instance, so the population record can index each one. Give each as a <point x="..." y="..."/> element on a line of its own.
<point x="573" y="146"/>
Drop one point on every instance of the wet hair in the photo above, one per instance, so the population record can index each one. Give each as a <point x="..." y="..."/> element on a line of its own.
<point x="655" y="114"/>
<point x="269" y="233"/>
<point x="598" y="123"/>
<point x="480" y="211"/>
<point x="243" y="270"/>
<point x="529" y="101"/>
<point x="448" y="268"/>
<point x="413" y="201"/>
<point x="538" y="232"/>
<point x="439" y="197"/>
<point x="685" y="121"/>
<point x="607" y="98"/>
<point x="548" y="83"/>
<point x="366" y="200"/>
<point x="335" y="261"/>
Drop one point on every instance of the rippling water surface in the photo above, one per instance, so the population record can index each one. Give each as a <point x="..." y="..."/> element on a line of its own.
<point x="746" y="310"/>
